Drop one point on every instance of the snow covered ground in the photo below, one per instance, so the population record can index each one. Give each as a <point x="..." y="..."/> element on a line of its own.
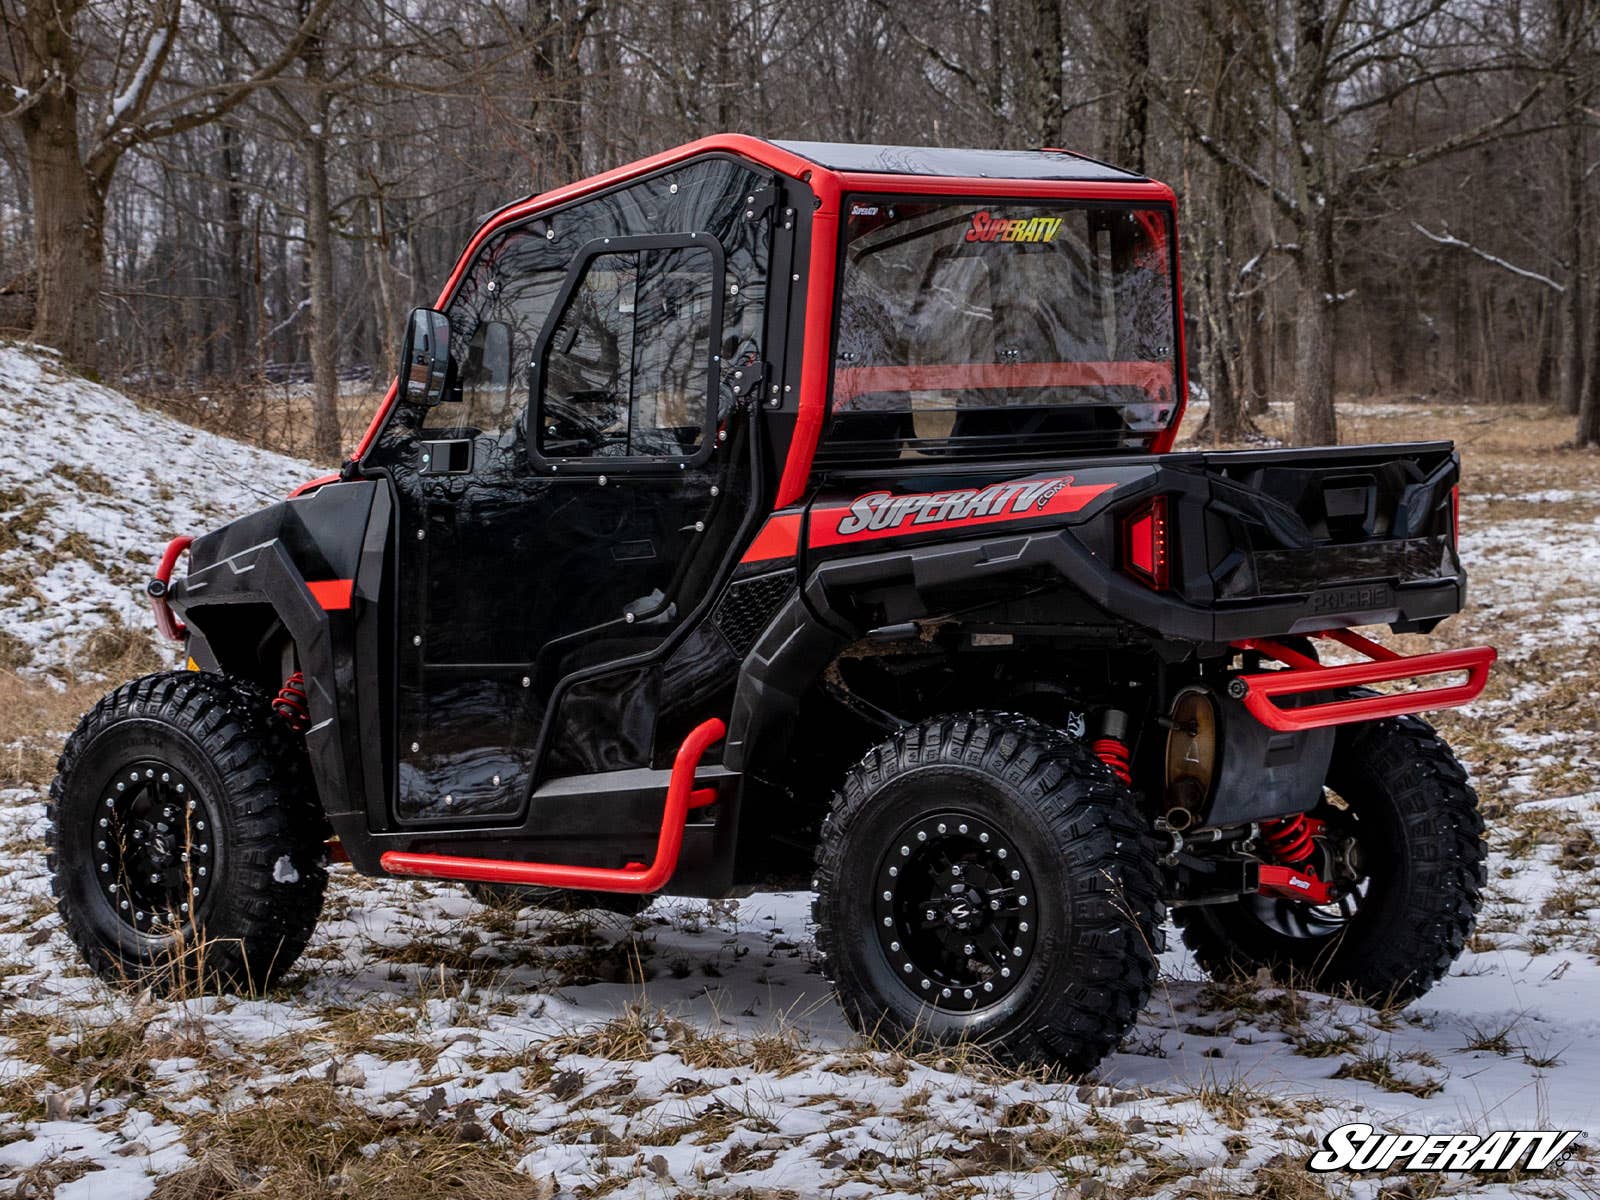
<point x="429" y="1046"/>
<point x="92" y="487"/>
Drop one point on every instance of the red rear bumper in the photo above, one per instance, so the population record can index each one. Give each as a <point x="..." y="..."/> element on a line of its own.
<point x="1259" y="691"/>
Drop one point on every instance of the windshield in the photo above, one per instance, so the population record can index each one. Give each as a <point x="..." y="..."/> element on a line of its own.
<point x="1001" y="329"/>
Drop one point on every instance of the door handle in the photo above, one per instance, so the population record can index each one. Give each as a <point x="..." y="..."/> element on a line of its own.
<point x="447" y="458"/>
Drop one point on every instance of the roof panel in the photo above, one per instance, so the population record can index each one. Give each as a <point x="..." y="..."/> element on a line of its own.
<point x="965" y="164"/>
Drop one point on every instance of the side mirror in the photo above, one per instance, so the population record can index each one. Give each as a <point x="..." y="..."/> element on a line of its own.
<point x="425" y="357"/>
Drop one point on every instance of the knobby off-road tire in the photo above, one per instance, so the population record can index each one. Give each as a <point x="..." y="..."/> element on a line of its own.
<point x="561" y="900"/>
<point x="1416" y="823"/>
<point x="1016" y="837"/>
<point x="186" y="844"/>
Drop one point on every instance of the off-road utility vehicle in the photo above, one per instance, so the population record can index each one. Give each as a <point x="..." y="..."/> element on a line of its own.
<point x="774" y="515"/>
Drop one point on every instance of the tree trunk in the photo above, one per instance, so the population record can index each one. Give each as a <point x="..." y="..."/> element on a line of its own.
<point x="1133" y="115"/>
<point x="1046" y="51"/>
<point x="68" y="231"/>
<point x="1568" y="14"/>
<point x="1314" y="423"/>
<point x="1588" y="433"/>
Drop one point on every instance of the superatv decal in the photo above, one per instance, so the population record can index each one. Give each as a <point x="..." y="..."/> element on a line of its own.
<point x="883" y="514"/>
<point x="986" y="228"/>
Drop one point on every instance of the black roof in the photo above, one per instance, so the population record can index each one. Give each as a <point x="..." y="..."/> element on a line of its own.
<point x="966" y="164"/>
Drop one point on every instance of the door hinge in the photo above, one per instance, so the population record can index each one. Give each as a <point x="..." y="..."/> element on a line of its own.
<point x="760" y="202"/>
<point x="744" y="379"/>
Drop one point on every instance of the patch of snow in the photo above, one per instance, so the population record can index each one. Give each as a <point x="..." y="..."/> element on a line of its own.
<point x="92" y="488"/>
<point x="283" y="871"/>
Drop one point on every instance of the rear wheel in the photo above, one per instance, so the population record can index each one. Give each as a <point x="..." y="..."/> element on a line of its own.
<point x="1401" y="824"/>
<point x="983" y="877"/>
<point x="185" y="843"/>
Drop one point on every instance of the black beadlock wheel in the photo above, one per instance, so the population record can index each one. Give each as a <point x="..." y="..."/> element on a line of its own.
<point x="983" y="877"/>
<point x="185" y="843"/>
<point x="1403" y="830"/>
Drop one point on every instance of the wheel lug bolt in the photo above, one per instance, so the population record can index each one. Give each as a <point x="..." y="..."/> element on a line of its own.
<point x="133" y="776"/>
<point x="967" y="949"/>
<point x="204" y="848"/>
<point x="105" y="822"/>
<point x="895" y="946"/>
<point x="1001" y="853"/>
<point x="888" y="922"/>
<point x="194" y="891"/>
<point x="904" y="851"/>
<point x="1015" y="875"/>
<point x="105" y="868"/>
<point x="922" y="836"/>
<point x="124" y="905"/>
<point x="1016" y="952"/>
<point x="1022" y="901"/>
<point x="1005" y="972"/>
<point x="888" y="895"/>
<point x="166" y="778"/>
<point x="927" y="983"/>
<point x="994" y="905"/>
<point x="961" y="828"/>
<point x="908" y="968"/>
<point x="956" y="871"/>
<point x="155" y="879"/>
<point x="149" y="773"/>
<point x="941" y="826"/>
<point x="121" y="787"/>
<point x="202" y="870"/>
<point x="983" y="837"/>
<point x="944" y="991"/>
<point x="1023" y="927"/>
<point x="138" y="916"/>
<point x="893" y="872"/>
<point x="988" y="987"/>
<point x="100" y="845"/>
<point x="180" y="788"/>
<point x="967" y="994"/>
<point x="183" y="907"/>
<point x="929" y="913"/>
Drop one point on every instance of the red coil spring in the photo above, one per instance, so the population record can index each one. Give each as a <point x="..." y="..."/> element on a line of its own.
<point x="1115" y="754"/>
<point x="1290" y="838"/>
<point x="290" y="703"/>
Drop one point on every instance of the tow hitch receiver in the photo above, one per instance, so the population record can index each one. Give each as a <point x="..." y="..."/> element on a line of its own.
<point x="1306" y="675"/>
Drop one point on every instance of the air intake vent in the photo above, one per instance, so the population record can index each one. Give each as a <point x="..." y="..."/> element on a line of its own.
<point x="748" y="607"/>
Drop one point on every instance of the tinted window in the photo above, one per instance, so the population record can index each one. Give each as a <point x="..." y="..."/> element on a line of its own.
<point x="964" y="324"/>
<point x="627" y="367"/>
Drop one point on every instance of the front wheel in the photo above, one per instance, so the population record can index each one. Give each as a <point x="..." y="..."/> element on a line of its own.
<point x="185" y="843"/>
<point x="983" y="877"/>
<point x="1402" y="821"/>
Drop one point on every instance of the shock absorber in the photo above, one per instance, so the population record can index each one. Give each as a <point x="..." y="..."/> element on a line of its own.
<point x="290" y="703"/>
<point x="1111" y="746"/>
<point x="1290" y="839"/>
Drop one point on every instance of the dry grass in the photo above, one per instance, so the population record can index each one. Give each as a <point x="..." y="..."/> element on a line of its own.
<point x="308" y="1138"/>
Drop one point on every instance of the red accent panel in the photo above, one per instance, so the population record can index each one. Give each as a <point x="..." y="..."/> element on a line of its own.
<point x="851" y="382"/>
<point x="838" y="524"/>
<point x="1306" y="675"/>
<point x="635" y="877"/>
<point x="1293" y="885"/>
<point x="779" y="538"/>
<point x="816" y="359"/>
<point x="336" y="851"/>
<point x="332" y="594"/>
<point x="312" y="485"/>
<point x="166" y="622"/>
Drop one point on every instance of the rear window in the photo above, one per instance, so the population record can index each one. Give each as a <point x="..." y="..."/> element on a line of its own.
<point x="1001" y="329"/>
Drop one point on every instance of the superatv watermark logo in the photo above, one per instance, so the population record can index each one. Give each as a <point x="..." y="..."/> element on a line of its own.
<point x="883" y="510"/>
<point x="1358" y="1147"/>
<point x="986" y="228"/>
